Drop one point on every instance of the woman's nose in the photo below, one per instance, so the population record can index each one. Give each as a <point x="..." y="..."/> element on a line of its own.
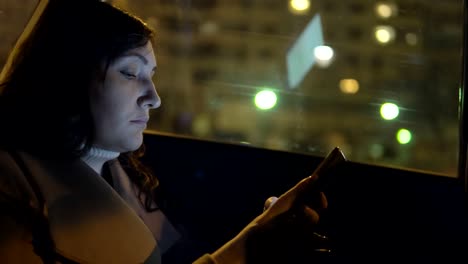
<point x="151" y="99"/>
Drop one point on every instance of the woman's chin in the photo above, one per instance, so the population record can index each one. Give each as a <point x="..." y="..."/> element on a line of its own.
<point x="135" y="144"/>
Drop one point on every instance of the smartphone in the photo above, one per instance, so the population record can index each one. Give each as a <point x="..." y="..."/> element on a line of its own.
<point x="332" y="161"/>
<point x="291" y="235"/>
<point x="324" y="173"/>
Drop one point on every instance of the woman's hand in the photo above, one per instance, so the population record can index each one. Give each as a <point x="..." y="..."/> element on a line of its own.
<point x="292" y="198"/>
<point x="273" y="223"/>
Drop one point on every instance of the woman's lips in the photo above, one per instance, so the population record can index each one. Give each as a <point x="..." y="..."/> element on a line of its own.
<point x="140" y="122"/>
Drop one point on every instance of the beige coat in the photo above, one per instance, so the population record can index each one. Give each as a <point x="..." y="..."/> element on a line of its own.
<point x="89" y="221"/>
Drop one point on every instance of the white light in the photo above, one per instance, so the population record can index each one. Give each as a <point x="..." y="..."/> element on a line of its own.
<point x="384" y="34"/>
<point x="265" y="99"/>
<point x="323" y="53"/>
<point x="299" y="5"/>
<point x="389" y="111"/>
<point x="385" y="10"/>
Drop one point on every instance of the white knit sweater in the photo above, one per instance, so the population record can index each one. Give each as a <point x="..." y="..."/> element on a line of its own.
<point x="163" y="231"/>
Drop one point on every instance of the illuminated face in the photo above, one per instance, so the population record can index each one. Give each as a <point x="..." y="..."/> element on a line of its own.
<point x="120" y="104"/>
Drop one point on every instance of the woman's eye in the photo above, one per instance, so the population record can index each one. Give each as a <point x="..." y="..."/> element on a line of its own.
<point x="128" y="75"/>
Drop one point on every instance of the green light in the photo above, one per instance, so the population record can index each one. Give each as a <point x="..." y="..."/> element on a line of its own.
<point x="265" y="99"/>
<point x="403" y="136"/>
<point x="389" y="111"/>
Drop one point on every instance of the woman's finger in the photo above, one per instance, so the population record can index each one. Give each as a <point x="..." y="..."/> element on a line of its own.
<point x="323" y="200"/>
<point x="311" y="215"/>
<point x="269" y="202"/>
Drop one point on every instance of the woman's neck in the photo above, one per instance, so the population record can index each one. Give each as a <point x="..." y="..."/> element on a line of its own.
<point x="96" y="157"/>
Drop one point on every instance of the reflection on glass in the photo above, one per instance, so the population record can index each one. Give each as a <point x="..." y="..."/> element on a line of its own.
<point x="307" y="50"/>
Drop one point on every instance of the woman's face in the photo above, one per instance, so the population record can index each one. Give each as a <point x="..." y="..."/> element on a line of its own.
<point x="120" y="104"/>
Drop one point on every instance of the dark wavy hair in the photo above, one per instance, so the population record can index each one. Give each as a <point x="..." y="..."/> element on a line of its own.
<point x="44" y="100"/>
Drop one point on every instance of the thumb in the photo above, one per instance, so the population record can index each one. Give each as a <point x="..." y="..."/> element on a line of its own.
<point x="269" y="202"/>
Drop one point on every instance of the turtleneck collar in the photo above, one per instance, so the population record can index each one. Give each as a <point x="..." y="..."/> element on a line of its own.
<point x="96" y="157"/>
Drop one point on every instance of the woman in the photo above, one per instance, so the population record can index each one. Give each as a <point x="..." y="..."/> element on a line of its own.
<point x="75" y="99"/>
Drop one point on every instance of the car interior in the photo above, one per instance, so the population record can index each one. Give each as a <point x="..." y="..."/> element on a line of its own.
<point x="255" y="93"/>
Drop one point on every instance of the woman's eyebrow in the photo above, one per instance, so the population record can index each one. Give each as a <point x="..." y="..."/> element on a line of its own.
<point x="139" y="56"/>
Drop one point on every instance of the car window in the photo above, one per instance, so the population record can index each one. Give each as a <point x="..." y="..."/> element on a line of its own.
<point x="380" y="79"/>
